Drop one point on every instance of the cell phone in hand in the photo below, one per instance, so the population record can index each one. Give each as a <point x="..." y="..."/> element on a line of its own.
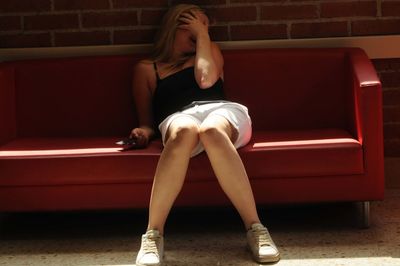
<point x="127" y="142"/>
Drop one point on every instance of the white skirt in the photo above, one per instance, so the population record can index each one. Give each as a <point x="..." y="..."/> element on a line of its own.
<point x="237" y="115"/>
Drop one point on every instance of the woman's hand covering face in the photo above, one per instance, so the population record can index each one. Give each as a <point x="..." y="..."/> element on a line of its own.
<point x="195" y="22"/>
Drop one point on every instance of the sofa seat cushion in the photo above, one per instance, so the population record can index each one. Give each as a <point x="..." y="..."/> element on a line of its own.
<point x="53" y="147"/>
<point x="295" y="154"/>
<point x="74" y="161"/>
<point x="321" y="152"/>
<point x="270" y="154"/>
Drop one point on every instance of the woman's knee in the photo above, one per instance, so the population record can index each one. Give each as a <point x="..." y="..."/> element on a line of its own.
<point x="183" y="135"/>
<point x="216" y="129"/>
<point x="211" y="134"/>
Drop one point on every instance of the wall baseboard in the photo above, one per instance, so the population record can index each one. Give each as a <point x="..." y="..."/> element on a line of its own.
<point x="376" y="47"/>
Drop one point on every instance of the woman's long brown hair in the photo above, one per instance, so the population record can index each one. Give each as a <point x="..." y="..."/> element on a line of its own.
<point x="164" y="41"/>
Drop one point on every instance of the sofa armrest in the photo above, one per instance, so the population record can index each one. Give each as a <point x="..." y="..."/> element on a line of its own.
<point x="367" y="90"/>
<point x="363" y="70"/>
<point x="8" y="129"/>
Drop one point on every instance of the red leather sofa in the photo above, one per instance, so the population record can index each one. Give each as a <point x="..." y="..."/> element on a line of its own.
<point x="317" y="119"/>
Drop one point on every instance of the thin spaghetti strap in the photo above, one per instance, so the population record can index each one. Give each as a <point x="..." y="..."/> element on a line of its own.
<point x="156" y="70"/>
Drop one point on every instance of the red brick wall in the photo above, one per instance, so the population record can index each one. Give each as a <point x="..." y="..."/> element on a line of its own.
<point x="389" y="73"/>
<point x="44" y="23"/>
<point x="51" y="23"/>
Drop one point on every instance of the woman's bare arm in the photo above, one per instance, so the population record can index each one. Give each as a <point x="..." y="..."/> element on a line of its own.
<point x="142" y="94"/>
<point x="208" y="60"/>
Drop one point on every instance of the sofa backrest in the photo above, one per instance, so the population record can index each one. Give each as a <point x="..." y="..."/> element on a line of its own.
<point x="83" y="96"/>
<point x="290" y="88"/>
<point x="92" y="96"/>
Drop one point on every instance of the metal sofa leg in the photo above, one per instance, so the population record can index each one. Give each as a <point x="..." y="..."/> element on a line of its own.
<point x="364" y="214"/>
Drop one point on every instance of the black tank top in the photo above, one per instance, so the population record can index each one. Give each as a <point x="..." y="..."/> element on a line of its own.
<point x="173" y="93"/>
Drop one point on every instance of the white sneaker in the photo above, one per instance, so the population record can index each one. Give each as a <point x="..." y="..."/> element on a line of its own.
<point x="152" y="249"/>
<point x="261" y="245"/>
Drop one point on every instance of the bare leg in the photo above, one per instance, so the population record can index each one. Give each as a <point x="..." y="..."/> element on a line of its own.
<point x="216" y="133"/>
<point x="182" y="137"/>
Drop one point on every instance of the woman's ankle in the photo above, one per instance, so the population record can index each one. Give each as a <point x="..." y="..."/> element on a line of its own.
<point x="160" y="230"/>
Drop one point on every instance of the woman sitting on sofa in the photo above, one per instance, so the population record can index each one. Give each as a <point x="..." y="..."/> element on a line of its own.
<point x="180" y="91"/>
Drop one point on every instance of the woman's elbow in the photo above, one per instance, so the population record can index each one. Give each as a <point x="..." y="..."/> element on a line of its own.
<point x="206" y="74"/>
<point x="208" y="81"/>
<point x="206" y="84"/>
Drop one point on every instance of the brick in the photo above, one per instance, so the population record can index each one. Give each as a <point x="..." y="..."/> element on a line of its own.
<point x="289" y="12"/>
<point x="391" y="97"/>
<point x="152" y="17"/>
<point x="391" y="8"/>
<point x="392" y="148"/>
<point x="387" y="64"/>
<point x="392" y="171"/>
<point x="25" y="40"/>
<point x="82" y="38"/>
<point x="255" y="1"/>
<point x="199" y="2"/>
<point x="391" y="114"/>
<point x="258" y="32"/>
<point x="80" y="4"/>
<point x="219" y="33"/>
<point x="109" y="19"/>
<point x="376" y="27"/>
<point x="229" y="14"/>
<point x="348" y="9"/>
<point x="139" y="3"/>
<point x="139" y="36"/>
<point x="390" y="79"/>
<point x="51" y="22"/>
<point x="380" y="64"/>
<point x="7" y="6"/>
<point x="391" y="130"/>
<point x="319" y="29"/>
<point x="10" y="23"/>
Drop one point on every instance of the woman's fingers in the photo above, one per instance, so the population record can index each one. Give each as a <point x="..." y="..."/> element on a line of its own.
<point x="189" y="15"/>
<point x="136" y="133"/>
<point x="141" y="139"/>
<point x="133" y="133"/>
<point x="185" y="20"/>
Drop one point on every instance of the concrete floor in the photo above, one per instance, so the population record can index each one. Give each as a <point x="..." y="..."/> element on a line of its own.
<point x="309" y="235"/>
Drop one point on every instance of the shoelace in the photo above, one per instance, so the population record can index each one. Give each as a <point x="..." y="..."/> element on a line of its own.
<point x="149" y="245"/>
<point x="262" y="237"/>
